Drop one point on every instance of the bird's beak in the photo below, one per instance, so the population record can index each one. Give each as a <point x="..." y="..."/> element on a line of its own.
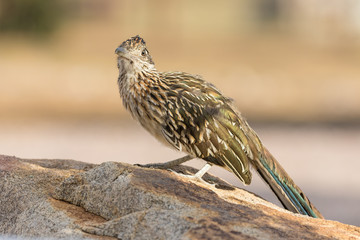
<point x="119" y="50"/>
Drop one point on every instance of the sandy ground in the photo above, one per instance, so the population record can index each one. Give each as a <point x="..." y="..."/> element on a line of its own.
<point x="323" y="161"/>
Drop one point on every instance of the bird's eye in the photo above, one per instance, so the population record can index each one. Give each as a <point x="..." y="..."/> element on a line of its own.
<point x="144" y="52"/>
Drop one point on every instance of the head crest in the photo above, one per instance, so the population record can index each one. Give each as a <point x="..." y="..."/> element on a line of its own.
<point x="133" y="42"/>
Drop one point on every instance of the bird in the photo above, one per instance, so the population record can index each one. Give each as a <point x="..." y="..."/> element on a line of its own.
<point x="191" y="115"/>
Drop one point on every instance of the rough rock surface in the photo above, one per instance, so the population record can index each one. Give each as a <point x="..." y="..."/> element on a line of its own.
<point x="75" y="200"/>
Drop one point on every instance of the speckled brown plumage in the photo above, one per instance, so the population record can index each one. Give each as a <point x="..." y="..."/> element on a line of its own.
<point x="191" y="115"/>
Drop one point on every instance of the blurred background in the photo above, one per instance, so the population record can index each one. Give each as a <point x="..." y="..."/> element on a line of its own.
<point x="292" y="67"/>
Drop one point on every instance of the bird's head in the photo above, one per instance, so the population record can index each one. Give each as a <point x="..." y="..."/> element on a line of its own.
<point x="133" y="55"/>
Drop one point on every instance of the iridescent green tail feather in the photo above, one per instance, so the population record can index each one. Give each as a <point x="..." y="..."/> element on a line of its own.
<point x="290" y="195"/>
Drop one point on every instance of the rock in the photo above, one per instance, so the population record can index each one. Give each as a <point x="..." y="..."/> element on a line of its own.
<point x="27" y="207"/>
<point x="75" y="200"/>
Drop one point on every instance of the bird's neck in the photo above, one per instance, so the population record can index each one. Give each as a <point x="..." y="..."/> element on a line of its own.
<point x="133" y="80"/>
<point x="141" y="100"/>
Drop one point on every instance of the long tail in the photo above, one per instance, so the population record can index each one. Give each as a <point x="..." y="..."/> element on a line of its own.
<point x="290" y="195"/>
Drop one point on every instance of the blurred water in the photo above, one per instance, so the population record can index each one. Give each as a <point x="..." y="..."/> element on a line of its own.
<point x="323" y="161"/>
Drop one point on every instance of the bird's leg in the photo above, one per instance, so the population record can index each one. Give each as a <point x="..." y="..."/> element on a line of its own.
<point x="169" y="164"/>
<point x="202" y="171"/>
<point x="199" y="174"/>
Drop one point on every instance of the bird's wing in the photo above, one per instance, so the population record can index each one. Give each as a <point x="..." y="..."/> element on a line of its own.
<point x="206" y="124"/>
<point x="203" y="123"/>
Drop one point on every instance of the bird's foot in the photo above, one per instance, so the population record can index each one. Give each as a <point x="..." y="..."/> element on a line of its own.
<point x="194" y="178"/>
<point x="154" y="165"/>
<point x="198" y="176"/>
<point x="167" y="165"/>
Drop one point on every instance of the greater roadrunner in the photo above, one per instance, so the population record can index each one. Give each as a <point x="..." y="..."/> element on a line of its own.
<point x="191" y="115"/>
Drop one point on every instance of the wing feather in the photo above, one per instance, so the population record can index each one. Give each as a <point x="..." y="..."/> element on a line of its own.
<point x="208" y="126"/>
